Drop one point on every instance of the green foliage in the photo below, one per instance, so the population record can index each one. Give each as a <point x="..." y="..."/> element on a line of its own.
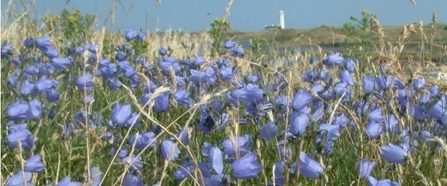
<point x="258" y="48"/>
<point x="361" y="40"/>
<point x="139" y="47"/>
<point x="445" y="28"/>
<point x="72" y="25"/>
<point x="219" y="33"/>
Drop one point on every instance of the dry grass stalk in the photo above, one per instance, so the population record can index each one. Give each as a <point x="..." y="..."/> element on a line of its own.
<point x="377" y="28"/>
<point x="227" y="10"/>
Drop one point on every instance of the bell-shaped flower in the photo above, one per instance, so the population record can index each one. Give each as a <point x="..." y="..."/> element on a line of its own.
<point x="298" y="123"/>
<point x="79" y="50"/>
<point x="142" y="141"/>
<point x="237" y="52"/>
<point x="60" y="63"/>
<point x="341" y="120"/>
<point x="437" y="107"/>
<point x="215" y="160"/>
<point x="206" y="149"/>
<point x="169" y="150"/>
<point x="368" y="84"/>
<point x="66" y="181"/>
<point x="318" y="114"/>
<point x="131" y="34"/>
<point x="127" y="69"/>
<point x="376" y="115"/>
<point x="253" y="78"/>
<point x="383" y="82"/>
<point x="162" y="51"/>
<point x="226" y="73"/>
<point x="34" y="164"/>
<point x="343" y="88"/>
<point x="280" y="178"/>
<point x="32" y="70"/>
<point x="121" y="114"/>
<point x="282" y="101"/>
<point x="114" y="84"/>
<point x="185" y="170"/>
<point x="20" y="178"/>
<point x="374" y="129"/>
<point x="120" y="56"/>
<point x="29" y="42"/>
<point x="398" y="83"/>
<point x="133" y="162"/>
<point x="22" y="138"/>
<point x="394" y="153"/>
<point x="310" y="76"/>
<point x="184" y="135"/>
<point x="197" y="61"/>
<point x="333" y="60"/>
<point x="317" y="88"/>
<point x="349" y="65"/>
<point x="122" y="153"/>
<point x="332" y="131"/>
<point x="345" y="77"/>
<point x="181" y="81"/>
<point x="434" y="90"/>
<point x="51" y="53"/>
<point x="374" y="182"/>
<point x="241" y="144"/>
<point x="44" y="43"/>
<point x="246" y="167"/>
<point x="16" y="127"/>
<point x="255" y="94"/>
<point x="268" y="132"/>
<point x="132" y="180"/>
<point x="418" y="83"/>
<point x="197" y="76"/>
<point x="233" y="101"/>
<point x="36" y="108"/>
<point x="85" y="82"/>
<point x="106" y="69"/>
<point x="162" y="102"/>
<point x="95" y="176"/>
<point x="211" y="77"/>
<point x="391" y="123"/>
<point x="52" y="95"/>
<point x="19" y="110"/>
<point x="206" y="123"/>
<point x="16" y="61"/>
<point x="301" y="99"/>
<point x="425" y="136"/>
<point x="141" y="37"/>
<point x="229" y="44"/>
<point x="168" y="65"/>
<point x="12" y="82"/>
<point x="239" y="94"/>
<point x="309" y="167"/>
<point x="365" y="168"/>
<point x="44" y="84"/>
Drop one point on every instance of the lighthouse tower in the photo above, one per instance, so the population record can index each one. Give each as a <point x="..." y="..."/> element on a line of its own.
<point x="281" y="19"/>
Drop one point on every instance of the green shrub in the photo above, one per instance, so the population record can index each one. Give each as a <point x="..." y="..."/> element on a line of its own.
<point x="73" y="26"/>
<point x="219" y="33"/>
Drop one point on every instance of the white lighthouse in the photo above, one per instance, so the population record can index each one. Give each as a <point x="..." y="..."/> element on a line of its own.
<point x="281" y="19"/>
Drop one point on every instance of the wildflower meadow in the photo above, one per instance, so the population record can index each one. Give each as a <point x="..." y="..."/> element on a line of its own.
<point x="137" y="108"/>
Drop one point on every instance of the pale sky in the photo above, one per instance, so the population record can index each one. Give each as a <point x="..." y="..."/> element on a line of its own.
<point x="246" y="15"/>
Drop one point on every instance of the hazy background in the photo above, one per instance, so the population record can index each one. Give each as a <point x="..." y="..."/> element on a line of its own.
<point x="246" y="15"/>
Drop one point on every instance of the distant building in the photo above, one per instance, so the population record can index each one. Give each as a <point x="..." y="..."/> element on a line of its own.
<point x="281" y="19"/>
<point x="271" y="27"/>
<point x="281" y="23"/>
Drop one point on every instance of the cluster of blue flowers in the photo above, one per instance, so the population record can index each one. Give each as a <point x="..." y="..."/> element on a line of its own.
<point x="325" y="105"/>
